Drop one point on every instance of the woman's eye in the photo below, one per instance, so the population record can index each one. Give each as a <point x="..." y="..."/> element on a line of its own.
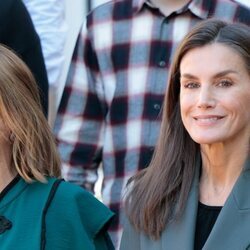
<point x="191" y="85"/>
<point x="225" y="83"/>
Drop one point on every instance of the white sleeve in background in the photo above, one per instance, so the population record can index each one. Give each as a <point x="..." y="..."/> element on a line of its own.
<point x="245" y="2"/>
<point x="48" y="17"/>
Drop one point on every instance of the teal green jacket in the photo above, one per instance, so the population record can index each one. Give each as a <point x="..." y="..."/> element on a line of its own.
<point x="45" y="217"/>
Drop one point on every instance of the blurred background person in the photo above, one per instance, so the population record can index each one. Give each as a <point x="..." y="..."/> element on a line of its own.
<point x="18" y="33"/>
<point x="49" y="20"/>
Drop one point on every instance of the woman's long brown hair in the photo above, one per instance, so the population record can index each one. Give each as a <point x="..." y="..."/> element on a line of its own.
<point x="34" y="154"/>
<point x="159" y="193"/>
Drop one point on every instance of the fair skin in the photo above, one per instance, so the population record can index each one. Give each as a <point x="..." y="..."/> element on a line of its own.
<point x="215" y="101"/>
<point x="169" y="6"/>
<point x="6" y="175"/>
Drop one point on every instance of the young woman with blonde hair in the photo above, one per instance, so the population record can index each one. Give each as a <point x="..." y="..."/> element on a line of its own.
<point x="38" y="210"/>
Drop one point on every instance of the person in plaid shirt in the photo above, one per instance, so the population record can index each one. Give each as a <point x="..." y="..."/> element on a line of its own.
<point x="110" y="109"/>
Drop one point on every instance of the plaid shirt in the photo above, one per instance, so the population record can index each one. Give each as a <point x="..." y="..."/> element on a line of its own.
<point x="110" y="109"/>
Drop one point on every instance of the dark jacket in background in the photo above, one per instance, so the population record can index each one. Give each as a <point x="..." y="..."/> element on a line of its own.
<point x="18" y="33"/>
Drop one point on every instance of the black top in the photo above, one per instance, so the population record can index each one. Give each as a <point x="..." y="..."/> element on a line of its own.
<point x="206" y="218"/>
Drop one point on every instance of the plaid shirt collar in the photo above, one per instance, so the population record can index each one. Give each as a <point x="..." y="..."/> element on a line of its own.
<point x="199" y="8"/>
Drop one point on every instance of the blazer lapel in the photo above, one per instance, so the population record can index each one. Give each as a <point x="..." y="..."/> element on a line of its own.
<point x="180" y="234"/>
<point x="232" y="228"/>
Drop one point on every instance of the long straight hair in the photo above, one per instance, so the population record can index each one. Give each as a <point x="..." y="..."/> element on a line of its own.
<point x="34" y="155"/>
<point x="159" y="193"/>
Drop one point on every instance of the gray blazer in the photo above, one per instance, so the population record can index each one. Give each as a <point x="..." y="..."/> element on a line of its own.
<point x="230" y="232"/>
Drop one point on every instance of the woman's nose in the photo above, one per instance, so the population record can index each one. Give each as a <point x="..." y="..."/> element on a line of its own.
<point x="206" y="98"/>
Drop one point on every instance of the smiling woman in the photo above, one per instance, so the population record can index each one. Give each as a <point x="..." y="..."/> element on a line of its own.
<point x="192" y="194"/>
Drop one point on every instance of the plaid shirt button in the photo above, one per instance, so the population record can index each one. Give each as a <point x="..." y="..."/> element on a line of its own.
<point x="157" y="106"/>
<point x="162" y="64"/>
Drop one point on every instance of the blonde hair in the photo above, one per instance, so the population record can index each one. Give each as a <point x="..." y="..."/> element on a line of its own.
<point x="34" y="154"/>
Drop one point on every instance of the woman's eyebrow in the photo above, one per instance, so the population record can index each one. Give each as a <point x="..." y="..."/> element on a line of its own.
<point x="188" y="76"/>
<point x="226" y="72"/>
<point x="219" y="74"/>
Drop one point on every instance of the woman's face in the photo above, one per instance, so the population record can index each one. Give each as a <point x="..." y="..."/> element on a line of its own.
<point x="215" y="94"/>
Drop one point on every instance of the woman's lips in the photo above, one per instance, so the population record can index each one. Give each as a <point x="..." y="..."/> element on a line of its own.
<point x="207" y="119"/>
